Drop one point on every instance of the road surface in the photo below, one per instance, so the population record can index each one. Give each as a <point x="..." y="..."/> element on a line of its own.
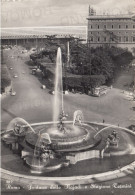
<point x="35" y="104"/>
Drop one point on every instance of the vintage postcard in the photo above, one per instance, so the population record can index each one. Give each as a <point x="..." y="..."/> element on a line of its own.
<point x="68" y="97"/>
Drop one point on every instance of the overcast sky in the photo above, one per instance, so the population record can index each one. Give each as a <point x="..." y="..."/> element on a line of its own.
<point x="32" y="13"/>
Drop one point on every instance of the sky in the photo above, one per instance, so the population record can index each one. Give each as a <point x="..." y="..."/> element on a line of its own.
<point x="36" y="13"/>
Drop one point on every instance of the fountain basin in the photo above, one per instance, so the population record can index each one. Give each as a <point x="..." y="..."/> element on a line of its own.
<point x="76" y="138"/>
<point x="81" y="162"/>
<point x="38" y="166"/>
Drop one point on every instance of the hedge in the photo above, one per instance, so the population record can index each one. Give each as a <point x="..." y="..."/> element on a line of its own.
<point x="85" y="81"/>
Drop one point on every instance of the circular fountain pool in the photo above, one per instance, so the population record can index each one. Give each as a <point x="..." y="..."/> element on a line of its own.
<point x="85" y="152"/>
<point x="84" y="170"/>
<point x="76" y="138"/>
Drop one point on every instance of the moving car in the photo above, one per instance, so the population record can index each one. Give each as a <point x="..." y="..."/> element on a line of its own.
<point x="33" y="49"/>
<point x="15" y="76"/>
<point x="24" y="51"/>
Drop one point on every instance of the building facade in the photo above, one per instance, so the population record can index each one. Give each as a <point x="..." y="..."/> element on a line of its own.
<point x="117" y="30"/>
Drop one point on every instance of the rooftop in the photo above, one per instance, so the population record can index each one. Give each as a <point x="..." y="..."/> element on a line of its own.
<point x="121" y="16"/>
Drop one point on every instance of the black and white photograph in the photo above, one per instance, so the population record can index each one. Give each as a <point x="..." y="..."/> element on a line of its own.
<point x="67" y="97"/>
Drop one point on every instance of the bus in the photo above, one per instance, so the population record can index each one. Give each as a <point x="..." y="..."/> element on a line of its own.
<point x="99" y="91"/>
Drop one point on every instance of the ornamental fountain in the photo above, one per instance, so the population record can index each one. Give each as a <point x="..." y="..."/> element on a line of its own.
<point x="49" y="146"/>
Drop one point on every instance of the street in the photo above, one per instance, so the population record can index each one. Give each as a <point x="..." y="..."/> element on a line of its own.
<point x="35" y="104"/>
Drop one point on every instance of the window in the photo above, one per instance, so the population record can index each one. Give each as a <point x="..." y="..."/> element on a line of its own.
<point x="133" y="26"/>
<point x="126" y="39"/>
<point x="98" y="39"/>
<point x="112" y="26"/>
<point x="119" y="39"/>
<point x="126" y="26"/>
<point x="119" y="26"/>
<point x="104" y="26"/>
<point x="91" y="39"/>
<point x="98" y="26"/>
<point x="91" y="27"/>
<point x="133" y="39"/>
<point x="104" y="39"/>
<point x="112" y="39"/>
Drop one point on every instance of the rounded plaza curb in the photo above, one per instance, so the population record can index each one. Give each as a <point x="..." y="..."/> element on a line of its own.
<point x="74" y="180"/>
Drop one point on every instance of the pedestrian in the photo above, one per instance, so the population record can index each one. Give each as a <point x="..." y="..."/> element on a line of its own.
<point x="73" y="91"/>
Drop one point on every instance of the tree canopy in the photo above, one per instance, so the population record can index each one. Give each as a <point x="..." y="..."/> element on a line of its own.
<point x="94" y="65"/>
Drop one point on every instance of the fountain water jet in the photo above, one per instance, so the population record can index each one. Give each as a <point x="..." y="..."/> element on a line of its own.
<point x="40" y="156"/>
<point x="19" y="121"/>
<point x="58" y="91"/>
<point x="49" y="143"/>
<point x="78" y="117"/>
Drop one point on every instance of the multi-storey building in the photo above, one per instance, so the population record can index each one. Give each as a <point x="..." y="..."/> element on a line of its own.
<point x="118" y="30"/>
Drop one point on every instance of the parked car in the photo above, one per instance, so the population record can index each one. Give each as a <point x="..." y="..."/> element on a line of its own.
<point x="43" y="87"/>
<point x="132" y="127"/>
<point x="52" y="92"/>
<point x="13" y="93"/>
<point x="15" y="76"/>
<point x="34" y="71"/>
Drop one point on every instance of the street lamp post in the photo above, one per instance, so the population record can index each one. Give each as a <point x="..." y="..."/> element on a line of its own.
<point x="36" y="46"/>
<point x="68" y="55"/>
<point x="89" y="55"/>
<point x="89" y="58"/>
<point x="67" y="64"/>
<point x="134" y="81"/>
